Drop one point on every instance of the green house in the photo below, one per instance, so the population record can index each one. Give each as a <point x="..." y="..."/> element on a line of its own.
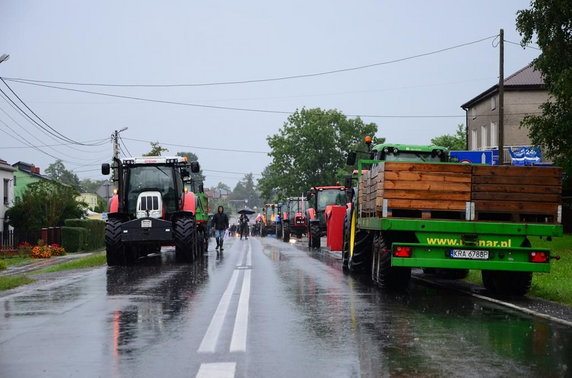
<point x="25" y="175"/>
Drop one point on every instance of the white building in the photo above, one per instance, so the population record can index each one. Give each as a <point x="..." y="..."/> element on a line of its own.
<point x="6" y="198"/>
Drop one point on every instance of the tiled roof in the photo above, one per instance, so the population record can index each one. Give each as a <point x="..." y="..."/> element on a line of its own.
<point x="525" y="78"/>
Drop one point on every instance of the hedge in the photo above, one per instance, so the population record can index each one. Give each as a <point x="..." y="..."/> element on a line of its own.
<point x="74" y="238"/>
<point x="95" y="231"/>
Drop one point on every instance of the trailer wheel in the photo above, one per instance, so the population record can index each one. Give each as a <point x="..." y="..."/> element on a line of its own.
<point x="507" y="283"/>
<point x="116" y="253"/>
<point x="383" y="274"/>
<point x="286" y="232"/>
<point x="314" y="235"/>
<point x="185" y="238"/>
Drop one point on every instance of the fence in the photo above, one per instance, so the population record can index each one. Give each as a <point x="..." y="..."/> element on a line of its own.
<point x="7" y="240"/>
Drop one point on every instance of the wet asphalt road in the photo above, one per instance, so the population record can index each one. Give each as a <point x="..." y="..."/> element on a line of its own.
<point x="266" y="309"/>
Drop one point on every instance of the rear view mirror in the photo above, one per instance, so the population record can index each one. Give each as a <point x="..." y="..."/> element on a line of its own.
<point x="195" y="167"/>
<point x="351" y="160"/>
<point x="105" y="169"/>
<point x="348" y="181"/>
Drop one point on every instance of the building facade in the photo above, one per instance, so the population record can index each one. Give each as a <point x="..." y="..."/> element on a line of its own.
<point x="524" y="92"/>
<point x="6" y="199"/>
<point x="24" y="175"/>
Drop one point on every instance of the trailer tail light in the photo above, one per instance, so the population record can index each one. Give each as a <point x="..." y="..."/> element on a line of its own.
<point x="538" y="257"/>
<point x="402" y="251"/>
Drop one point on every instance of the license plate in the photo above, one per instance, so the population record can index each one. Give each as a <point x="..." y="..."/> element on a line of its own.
<point x="146" y="223"/>
<point x="470" y="254"/>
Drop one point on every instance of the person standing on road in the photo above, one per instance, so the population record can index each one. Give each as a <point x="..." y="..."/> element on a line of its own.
<point x="220" y="224"/>
<point x="243" y="226"/>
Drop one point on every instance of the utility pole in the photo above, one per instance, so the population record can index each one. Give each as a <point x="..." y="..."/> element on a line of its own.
<point x="115" y="140"/>
<point x="501" y="98"/>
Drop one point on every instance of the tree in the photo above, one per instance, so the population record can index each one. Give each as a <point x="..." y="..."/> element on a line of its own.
<point x="550" y="23"/>
<point x="453" y="142"/>
<point x="309" y="150"/>
<point x="245" y="189"/>
<point x="58" y="172"/>
<point x="44" y="204"/>
<point x="199" y="176"/>
<point x="156" y="149"/>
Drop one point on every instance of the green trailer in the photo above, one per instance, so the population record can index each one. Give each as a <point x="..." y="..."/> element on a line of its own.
<point x="414" y="209"/>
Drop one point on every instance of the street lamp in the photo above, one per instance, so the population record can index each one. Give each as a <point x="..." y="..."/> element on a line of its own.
<point x="4" y="57"/>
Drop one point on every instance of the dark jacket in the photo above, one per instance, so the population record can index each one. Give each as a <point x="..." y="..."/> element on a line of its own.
<point x="220" y="221"/>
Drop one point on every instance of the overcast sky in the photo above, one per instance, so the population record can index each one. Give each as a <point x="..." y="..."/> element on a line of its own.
<point x="182" y="42"/>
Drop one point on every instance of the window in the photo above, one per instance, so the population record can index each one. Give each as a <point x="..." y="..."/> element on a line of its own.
<point x="493" y="102"/>
<point x="6" y="182"/>
<point x="473" y="139"/>
<point x="484" y="137"/>
<point x="474" y="113"/>
<point x="494" y="135"/>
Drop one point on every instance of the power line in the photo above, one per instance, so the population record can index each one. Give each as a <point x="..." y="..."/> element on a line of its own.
<point x="527" y="45"/>
<point x="124" y="145"/>
<point x="280" y="78"/>
<point x="198" y="147"/>
<point x="54" y="132"/>
<point x="253" y="110"/>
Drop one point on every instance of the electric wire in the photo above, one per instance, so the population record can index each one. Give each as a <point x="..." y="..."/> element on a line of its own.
<point x="270" y="79"/>
<point x="198" y="147"/>
<point x="54" y="132"/>
<point x="527" y="45"/>
<point x="124" y="145"/>
<point x="253" y="110"/>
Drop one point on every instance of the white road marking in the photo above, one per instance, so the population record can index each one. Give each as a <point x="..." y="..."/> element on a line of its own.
<point x="217" y="370"/>
<point x="249" y="256"/>
<point x="238" y="341"/>
<point x="208" y="345"/>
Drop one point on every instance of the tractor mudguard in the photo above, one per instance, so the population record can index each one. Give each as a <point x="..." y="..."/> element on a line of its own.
<point x="114" y="204"/>
<point x="189" y="202"/>
<point x="312" y="214"/>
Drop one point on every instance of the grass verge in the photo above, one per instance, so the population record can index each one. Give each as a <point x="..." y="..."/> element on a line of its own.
<point x="11" y="282"/>
<point x="84" y="262"/>
<point x="15" y="260"/>
<point x="554" y="286"/>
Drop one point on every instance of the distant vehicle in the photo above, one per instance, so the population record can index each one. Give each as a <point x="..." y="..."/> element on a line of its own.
<point x="320" y="197"/>
<point x="151" y="208"/>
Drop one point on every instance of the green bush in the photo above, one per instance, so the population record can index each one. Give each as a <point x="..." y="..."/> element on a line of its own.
<point x="74" y="238"/>
<point x="95" y="231"/>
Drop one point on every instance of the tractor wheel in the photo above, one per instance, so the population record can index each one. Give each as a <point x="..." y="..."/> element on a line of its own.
<point x="507" y="283"/>
<point x="185" y="238"/>
<point x="286" y="232"/>
<point x="315" y="235"/>
<point x="360" y="260"/>
<point x="346" y="240"/>
<point x="382" y="273"/>
<point x="117" y="254"/>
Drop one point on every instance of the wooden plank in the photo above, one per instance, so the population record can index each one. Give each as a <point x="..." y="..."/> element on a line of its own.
<point x="516" y="188"/>
<point x="530" y="197"/>
<point x="507" y="170"/>
<point x="514" y="180"/>
<point x="429" y="185"/>
<point x="516" y="206"/>
<point x="427" y="195"/>
<point x="427" y="167"/>
<point x="421" y="176"/>
<point x="426" y="205"/>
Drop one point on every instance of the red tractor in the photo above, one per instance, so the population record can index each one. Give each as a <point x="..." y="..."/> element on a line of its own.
<point x="151" y="208"/>
<point x="319" y="197"/>
<point x="294" y="219"/>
